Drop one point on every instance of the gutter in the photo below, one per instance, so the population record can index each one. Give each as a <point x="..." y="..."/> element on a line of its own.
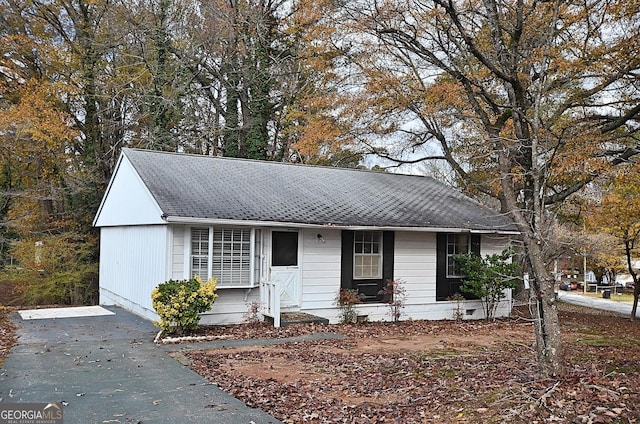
<point x="251" y="223"/>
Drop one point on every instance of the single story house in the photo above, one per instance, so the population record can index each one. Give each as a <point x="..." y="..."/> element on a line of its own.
<point x="288" y="235"/>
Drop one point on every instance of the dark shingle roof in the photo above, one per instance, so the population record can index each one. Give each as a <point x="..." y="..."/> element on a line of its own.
<point x="215" y="188"/>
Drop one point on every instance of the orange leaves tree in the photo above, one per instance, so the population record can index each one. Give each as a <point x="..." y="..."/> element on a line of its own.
<point x="618" y="214"/>
<point x="524" y="101"/>
<point x="55" y="257"/>
<point x="35" y="134"/>
<point x="79" y="79"/>
<point x="313" y="128"/>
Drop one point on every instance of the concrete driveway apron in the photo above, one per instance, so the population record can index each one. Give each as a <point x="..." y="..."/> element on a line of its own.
<point x="106" y="369"/>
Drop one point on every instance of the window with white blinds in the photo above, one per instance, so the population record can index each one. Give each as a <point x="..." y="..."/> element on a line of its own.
<point x="231" y="255"/>
<point x="200" y="253"/>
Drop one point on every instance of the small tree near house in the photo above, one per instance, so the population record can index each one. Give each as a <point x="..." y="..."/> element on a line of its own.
<point x="488" y="278"/>
<point x="394" y="295"/>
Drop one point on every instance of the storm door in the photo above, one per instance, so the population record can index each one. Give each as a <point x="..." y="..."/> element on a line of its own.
<point x="285" y="268"/>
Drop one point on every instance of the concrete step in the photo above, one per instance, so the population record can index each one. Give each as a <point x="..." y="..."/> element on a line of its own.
<point x="288" y="318"/>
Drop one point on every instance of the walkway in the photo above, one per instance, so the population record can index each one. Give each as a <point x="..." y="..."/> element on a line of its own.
<point x="106" y="369"/>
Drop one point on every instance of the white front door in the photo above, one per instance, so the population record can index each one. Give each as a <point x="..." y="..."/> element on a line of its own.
<point x="284" y="267"/>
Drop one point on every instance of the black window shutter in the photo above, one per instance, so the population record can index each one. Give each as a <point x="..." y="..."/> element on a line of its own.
<point x="442" y="285"/>
<point x="388" y="243"/>
<point x="346" y="270"/>
<point x="475" y="244"/>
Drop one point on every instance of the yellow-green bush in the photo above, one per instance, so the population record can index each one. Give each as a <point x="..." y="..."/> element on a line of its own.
<point x="178" y="303"/>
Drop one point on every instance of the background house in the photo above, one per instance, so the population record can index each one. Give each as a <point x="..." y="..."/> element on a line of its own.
<point x="312" y="230"/>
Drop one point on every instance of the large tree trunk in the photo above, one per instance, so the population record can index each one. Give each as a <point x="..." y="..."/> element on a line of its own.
<point x="545" y="313"/>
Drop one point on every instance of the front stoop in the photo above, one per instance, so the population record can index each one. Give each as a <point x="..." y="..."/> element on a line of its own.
<point x="288" y="318"/>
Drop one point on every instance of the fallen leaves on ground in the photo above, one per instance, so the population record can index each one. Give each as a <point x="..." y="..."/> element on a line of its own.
<point x="435" y="372"/>
<point x="7" y="333"/>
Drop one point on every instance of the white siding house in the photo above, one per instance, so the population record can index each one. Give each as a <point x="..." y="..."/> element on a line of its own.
<point x="308" y="231"/>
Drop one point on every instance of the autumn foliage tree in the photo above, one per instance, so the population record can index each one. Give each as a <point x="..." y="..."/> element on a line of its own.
<point x="55" y="255"/>
<point x="312" y="124"/>
<point x="80" y="79"/>
<point x="526" y="101"/>
<point x="618" y="214"/>
<point x="42" y="182"/>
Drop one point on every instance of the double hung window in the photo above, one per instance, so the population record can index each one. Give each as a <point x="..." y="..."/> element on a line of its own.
<point x="457" y="244"/>
<point x="366" y="262"/>
<point x="367" y="256"/>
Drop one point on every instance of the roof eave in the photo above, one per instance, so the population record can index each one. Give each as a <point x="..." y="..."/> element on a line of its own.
<point x="252" y="223"/>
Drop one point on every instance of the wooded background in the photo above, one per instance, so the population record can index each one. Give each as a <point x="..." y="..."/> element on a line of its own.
<point x="530" y="106"/>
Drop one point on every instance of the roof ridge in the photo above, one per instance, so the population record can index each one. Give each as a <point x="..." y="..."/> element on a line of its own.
<point x="294" y="164"/>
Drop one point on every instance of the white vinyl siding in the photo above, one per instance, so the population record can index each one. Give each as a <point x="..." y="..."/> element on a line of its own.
<point x="320" y="266"/>
<point x="415" y="266"/>
<point x="126" y="188"/>
<point x="134" y="260"/>
<point x="178" y="267"/>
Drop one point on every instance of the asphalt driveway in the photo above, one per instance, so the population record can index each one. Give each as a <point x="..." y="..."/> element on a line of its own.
<point x="106" y="369"/>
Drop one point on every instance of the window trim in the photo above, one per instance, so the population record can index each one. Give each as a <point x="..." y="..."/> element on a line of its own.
<point x="255" y="261"/>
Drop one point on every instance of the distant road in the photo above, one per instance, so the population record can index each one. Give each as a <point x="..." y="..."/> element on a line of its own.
<point x="597" y="303"/>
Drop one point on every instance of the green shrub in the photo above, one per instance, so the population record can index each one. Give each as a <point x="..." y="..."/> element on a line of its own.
<point x="77" y="287"/>
<point x="488" y="278"/>
<point x="178" y="303"/>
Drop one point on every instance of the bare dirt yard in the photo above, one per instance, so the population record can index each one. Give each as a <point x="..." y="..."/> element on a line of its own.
<point x="435" y="372"/>
<point x="428" y="372"/>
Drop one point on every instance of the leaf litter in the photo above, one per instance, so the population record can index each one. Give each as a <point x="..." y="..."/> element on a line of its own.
<point x="435" y="372"/>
